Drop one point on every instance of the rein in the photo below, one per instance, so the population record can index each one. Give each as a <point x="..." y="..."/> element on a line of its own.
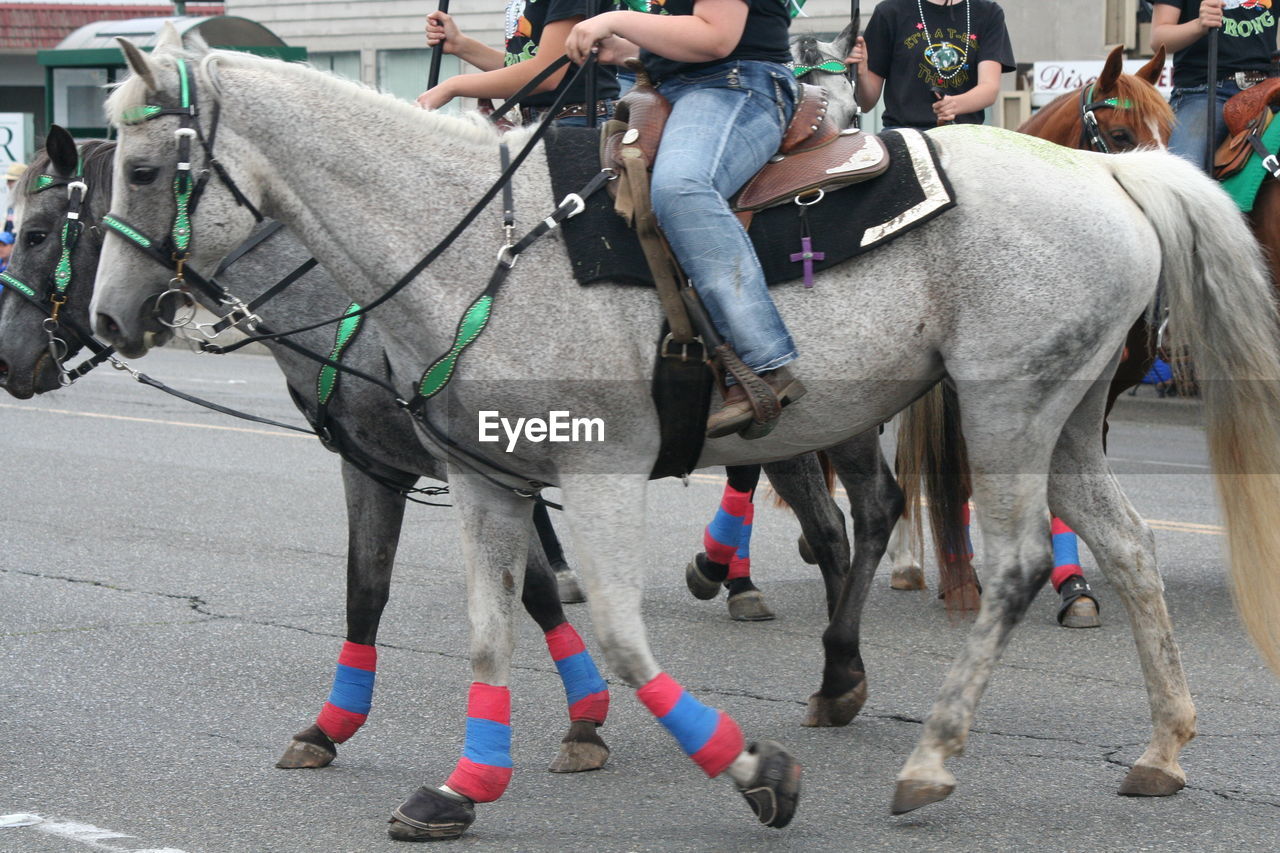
<point x="473" y="322"/>
<point x="1091" y="134"/>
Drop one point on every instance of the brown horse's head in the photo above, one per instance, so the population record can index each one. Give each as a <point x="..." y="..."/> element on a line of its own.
<point x="1117" y="112"/>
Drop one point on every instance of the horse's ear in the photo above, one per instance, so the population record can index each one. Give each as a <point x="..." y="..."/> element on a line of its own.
<point x="63" y="155"/>
<point x="1112" y="70"/>
<point x="1154" y="68"/>
<point x="139" y="63"/>
<point x="169" y="37"/>
<point x="842" y="45"/>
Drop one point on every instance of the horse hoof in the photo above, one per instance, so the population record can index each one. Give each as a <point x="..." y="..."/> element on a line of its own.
<point x="310" y="749"/>
<point x="911" y="794"/>
<point x="774" y="793"/>
<point x="1143" y="781"/>
<point x="1083" y="613"/>
<point x="907" y="577"/>
<point x="806" y="553"/>
<point x="581" y="750"/>
<point x="825" y="712"/>
<point x="431" y="815"/>
<point x="567" y="582"/>
<point x="695" y="577"/>
<point x="749" y="606"/>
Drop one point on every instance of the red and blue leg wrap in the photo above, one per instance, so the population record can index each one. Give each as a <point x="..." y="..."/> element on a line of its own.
<point x="352" y="693"/>
<point x="585" y="690"/>
<point x="484" y="770"/>
<point x="707" y="735"/>
<point x="740" y="565"/>
<point x="721" y="538"/>
<point x="1066" y="553"/>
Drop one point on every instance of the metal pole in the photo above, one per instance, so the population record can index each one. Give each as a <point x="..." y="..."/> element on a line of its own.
<point x="437" y="53"/>
<point x="1211" y="123"/>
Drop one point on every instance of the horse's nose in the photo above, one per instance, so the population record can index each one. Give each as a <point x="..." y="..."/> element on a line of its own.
<point x="106" y="326"/>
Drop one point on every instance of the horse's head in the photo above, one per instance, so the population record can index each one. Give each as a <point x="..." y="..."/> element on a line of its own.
<point x="1117" y="112"/>
<point x="60" y="204"/>
<point x="821" y="63"/>
<point x="172" y="207"/>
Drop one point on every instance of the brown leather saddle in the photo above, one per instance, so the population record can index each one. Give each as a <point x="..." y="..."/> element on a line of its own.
<point x="1246" y="117"/>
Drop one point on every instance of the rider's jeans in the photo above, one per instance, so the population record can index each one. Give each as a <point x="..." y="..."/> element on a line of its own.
<point x="1191" y="107"/>
<point x="726" y="122"/>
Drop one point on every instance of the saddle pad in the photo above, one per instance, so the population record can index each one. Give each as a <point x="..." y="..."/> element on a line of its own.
<point x="848" y="222"/>
<point x="1243" y="186"/>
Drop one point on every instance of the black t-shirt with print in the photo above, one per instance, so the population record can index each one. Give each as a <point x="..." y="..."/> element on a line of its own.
<point x="764" y="37"/>
<point x="1245" y="42"/>
<point x="911" y="59"/>
<point x="526" y="20"/>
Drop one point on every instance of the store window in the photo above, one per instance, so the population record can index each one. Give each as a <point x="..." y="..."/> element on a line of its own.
<point x="403" y="73"/>
<point x="345" y="64"/>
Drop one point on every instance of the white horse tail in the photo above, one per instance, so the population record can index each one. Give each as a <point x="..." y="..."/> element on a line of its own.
<point x="1222" y="312"/>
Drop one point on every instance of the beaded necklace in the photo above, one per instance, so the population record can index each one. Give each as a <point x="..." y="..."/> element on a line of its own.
<point x="935" y="50"/>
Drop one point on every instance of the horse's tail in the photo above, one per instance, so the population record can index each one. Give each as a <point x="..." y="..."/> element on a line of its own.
<point x="828" y="476"/>
<point x="1223" y="315"/>
<point x="931" y="446"/>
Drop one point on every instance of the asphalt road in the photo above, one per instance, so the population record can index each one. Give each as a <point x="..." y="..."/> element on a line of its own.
<point x="171" y="588"/>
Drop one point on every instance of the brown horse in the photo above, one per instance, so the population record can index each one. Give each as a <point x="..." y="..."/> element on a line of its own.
<point x="1117" y="112"/>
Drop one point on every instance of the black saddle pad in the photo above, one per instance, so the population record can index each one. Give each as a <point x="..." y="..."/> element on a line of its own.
<point x="848" y="222"/>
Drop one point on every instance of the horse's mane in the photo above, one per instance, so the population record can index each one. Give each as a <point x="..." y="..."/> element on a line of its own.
<point x="469" y="127"/>
<point x="99" y="159"/>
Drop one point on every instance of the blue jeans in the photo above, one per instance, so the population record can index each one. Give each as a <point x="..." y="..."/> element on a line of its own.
<point x="1190" y="130"/>
<point x="726" y="122"/>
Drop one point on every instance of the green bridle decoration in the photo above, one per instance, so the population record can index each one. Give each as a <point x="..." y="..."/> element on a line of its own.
<point x="831" y="66"/>
<point x="1114" y="103"/>
<point x="327" y="382"/>
<point x="473" y="322"/>
<point x="69" y="236"/>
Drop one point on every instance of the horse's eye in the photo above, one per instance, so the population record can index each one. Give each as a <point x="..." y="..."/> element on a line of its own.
<point x="34" y="238"/>
<point x="142" y="174"/>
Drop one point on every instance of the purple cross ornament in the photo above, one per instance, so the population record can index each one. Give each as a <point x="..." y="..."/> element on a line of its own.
<point x="807" y="255"/>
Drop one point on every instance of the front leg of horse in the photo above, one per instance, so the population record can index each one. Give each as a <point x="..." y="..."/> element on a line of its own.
<point x="495" y="532"/>
<point x="585" y="691"/>
<point x="875" y="506"/>
<point x="765" y="774"/>
<point x="374" y="517"/>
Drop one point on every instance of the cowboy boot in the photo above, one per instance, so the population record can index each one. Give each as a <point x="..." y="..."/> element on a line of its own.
<point x="736" y="414"/>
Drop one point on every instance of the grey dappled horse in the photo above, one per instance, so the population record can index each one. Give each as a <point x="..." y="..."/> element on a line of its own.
<point x="1017" y="319"/>
<point x="368" y="423"/>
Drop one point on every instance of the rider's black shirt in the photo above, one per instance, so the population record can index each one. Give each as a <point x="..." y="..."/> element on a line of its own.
<point x="764" y="38"/>
<point x="526" y="20"/>
<point x="1245" y="42"/>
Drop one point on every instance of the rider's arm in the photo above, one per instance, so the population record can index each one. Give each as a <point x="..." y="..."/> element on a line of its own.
<point x="975" y="100"/>
<point x="505" y="82"/>
<point x="710" y="33"/>
<point x="870" y="84"/>
<point x="1165" y="29"/>
<point x="442" y="28"/>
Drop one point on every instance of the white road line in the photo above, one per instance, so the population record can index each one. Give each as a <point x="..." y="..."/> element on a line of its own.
<point x="81" y="833"/>
<point x="275" y="433"/>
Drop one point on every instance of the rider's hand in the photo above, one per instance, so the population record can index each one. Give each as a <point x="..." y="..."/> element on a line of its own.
<point x="1210" y="14"/>
<point x="945" y="108"/>
<point x="441" y="28"/>
<point x="435" y="98"/>
<point x="588" y="34"/>
<point x="858" y="55"/>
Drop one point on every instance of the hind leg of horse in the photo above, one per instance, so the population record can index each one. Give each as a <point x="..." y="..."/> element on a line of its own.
<point x="1013" y="511"/>
<point x="907" y="572"/>
<point x="374" y="517"/>
<point x="1085" y="493"/>
<point x="569" y="587"/>
<point x="725" y="559"/>
<point x="801" y="484"/>
<point x="586" y="692"/>
<point x="495" y="535"/>
<point x="765" y="773"/>
<point x="875" y="503"/>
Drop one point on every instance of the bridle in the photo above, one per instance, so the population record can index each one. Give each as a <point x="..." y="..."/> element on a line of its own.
<point x="1091" y="134"/>
<point x="60" y="279"/>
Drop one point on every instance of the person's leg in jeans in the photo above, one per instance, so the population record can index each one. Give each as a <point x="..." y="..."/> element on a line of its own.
<point x="722" y="129"/>
<point x="1190" y="130"/>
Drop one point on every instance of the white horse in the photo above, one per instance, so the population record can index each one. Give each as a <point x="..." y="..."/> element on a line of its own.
<point x="1022" y="294"/>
